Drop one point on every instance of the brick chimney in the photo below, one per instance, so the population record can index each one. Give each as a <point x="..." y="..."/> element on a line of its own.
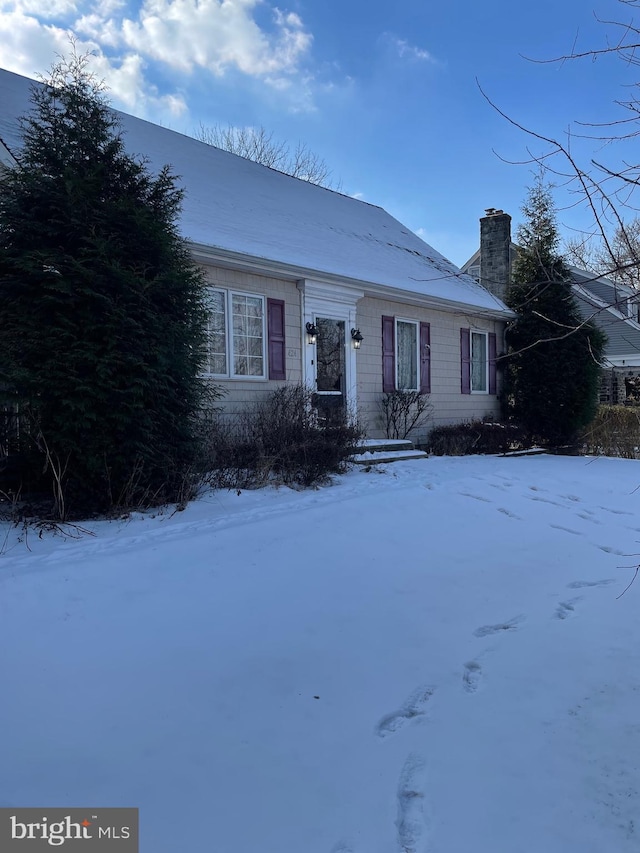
<point x="495" y="241"/>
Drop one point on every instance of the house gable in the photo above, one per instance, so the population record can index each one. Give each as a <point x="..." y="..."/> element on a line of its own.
<point x="238" y="208"/>
<point x="611" y="306"/>
<point x="293" y="254"/>
<point x="7" y="160"/>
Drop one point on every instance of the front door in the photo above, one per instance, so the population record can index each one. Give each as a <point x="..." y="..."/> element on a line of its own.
<point x="330" y="367"/>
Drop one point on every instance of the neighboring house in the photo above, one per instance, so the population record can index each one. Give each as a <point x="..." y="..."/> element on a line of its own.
<point x="299" y="272"/>
<point x="6" y="158"/>
<point x="614" y="307"/>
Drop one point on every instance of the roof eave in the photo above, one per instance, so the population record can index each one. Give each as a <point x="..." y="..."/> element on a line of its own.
<point x="292" y="272"/>
<point x="6" y="157"/>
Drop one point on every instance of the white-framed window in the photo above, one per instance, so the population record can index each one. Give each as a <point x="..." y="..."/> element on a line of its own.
<point x="479" y="363"/>
<point x="474" y="272"/>
<point x="236" y="335"/>
<point x="407" y="355"/>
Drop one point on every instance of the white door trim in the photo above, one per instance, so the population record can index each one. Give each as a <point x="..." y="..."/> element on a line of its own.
<point x="338" y="303"/>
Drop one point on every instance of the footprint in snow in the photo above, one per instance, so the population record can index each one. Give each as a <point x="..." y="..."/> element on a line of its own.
<point x="508" y="513"/>
<point x="412" y="820"/>
<point x="615" y="511"/>
<point x="582" y="584"/>
<point x="566" y="609"/>
<point x="588" y="516"/>
<point x="475" y="497"/>
<point x="414" y="708"/>
<point x="487" y="630"/>
<point x="471" y="676"/>
<point x="546" y="501"/>
<point x="609" y="550"/>
<point x="565" y="529"/>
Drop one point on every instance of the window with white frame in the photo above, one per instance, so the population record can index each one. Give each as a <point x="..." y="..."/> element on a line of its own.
<point x="474" y="272"/>
<point x="236" y="335"/>
<point x="407" y="349"/>
<point x="479" y="363"/>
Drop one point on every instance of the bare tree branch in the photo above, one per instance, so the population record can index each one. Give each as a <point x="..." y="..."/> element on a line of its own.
<point x="259" y="145"/>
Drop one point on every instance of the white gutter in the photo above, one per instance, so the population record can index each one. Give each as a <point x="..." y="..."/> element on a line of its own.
<point x="623" y="361"/>
<point x="295" y="273"/>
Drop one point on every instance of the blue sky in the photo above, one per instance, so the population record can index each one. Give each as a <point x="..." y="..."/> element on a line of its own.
<point x="385" y="93"/>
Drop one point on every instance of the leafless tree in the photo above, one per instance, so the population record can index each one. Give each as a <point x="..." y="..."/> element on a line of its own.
<point x="258" y="144"/>
<point x="590" y="254"/>
<point x="611" y="246"/>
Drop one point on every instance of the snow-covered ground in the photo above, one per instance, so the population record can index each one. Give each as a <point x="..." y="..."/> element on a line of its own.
<point x="430" y="657"/>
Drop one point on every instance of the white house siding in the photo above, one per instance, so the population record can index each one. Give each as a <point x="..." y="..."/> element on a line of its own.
<point x="240" y="393"/>
<point x="449" y="404"/>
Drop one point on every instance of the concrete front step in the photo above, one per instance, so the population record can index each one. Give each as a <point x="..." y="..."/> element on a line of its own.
<point x="392" y="456"/>
<point x="373" y="451"/>
<point x="375" y="445"/>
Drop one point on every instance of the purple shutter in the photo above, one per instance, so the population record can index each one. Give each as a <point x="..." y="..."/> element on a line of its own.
<point x="425" y="358"/>
<point x="465" y="360"/>
<point x="275" y="333"/>
<point x="388" y="355"/>
<point x="492" y="363"/>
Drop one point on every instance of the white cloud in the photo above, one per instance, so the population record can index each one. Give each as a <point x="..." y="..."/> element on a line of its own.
<point x="26" y="45"/>
<point x="29" y="47"/>
<point x="134" y="93"/>
<point x="408" y="51"/>
<point x="185" y="35"/>
<point x="217" y="35"/>
<point x="48" y="8"/>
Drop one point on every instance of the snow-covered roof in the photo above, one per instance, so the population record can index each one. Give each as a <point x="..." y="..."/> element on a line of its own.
<point x="623" y="332"/>
<point x="614" y="293"/>
<point x="236" y="206"/>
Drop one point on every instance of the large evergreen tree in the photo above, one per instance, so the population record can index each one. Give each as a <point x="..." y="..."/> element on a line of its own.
<point x="553" y="373"/>
<point x="102" y="312"/>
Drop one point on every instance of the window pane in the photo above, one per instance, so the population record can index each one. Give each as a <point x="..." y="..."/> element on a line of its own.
<point x="255" y="327"/>
<point x="255" y="366"/>
<point x="218" y="364"/>
<point x="254" y="307"/>
<point x="216" y="334"/>
<point x="407" y="353"/>
<point x="240" y="365"/>
<point x="478" y="362"/>
<point x="330" y="355"/>
<point x="248" y="335"/>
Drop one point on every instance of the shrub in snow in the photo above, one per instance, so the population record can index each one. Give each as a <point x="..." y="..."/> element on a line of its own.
<point x="103" y="314"/>
<point x="281" y="439"/>
<point x="403" y="411"/>
<point x="476" y="437"/>
<point x="615" y="431"/>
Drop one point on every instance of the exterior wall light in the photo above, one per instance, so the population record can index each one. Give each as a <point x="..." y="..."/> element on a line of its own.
<point x="357" y="338"/>
<point x="312" y="332"/>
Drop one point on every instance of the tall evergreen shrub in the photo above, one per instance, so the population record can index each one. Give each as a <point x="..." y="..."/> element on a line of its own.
<point x="553" y="365"/>
<point x="102" y="312"/>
